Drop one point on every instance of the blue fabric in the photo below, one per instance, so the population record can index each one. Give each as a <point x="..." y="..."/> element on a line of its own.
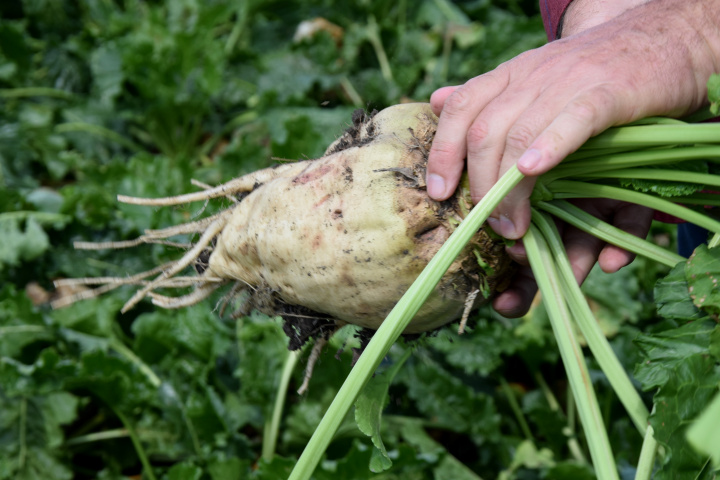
<point x="689" y="237"/>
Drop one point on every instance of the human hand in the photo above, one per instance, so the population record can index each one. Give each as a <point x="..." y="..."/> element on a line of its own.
<point x="583" y="251"/>
<point x="537" y="108"/>
<point x="544" y="104"/>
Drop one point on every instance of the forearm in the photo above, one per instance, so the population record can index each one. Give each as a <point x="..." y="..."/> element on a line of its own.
<point x="682" y="37"/>
<point x="583" y="14"/>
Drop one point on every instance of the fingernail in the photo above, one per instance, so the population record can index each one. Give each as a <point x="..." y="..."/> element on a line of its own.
<point x="507" y="227"/>
<point x="529" y="159"/>
<point x="494" y="224"/>
<point x="435" y="186"/>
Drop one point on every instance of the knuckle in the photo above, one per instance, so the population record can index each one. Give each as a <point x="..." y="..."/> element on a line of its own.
<point x="520" y="137"/>
<point x="443" y="155"/>
<point x="478" y="132"/>
<point x="589" y="108"/>
<point x="458" y="102"/>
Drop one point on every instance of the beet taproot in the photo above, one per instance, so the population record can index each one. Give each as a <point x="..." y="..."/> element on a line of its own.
<point x="331" y="241"/>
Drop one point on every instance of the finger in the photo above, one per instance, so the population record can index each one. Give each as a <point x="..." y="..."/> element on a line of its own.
<point x="582" y="250"/>
<point x="438" y="97"/>
<point x="446" y="160"/>
<point x="514" y="211"/>
<point x="489" y="156"/>
<point x="633" y="219"/>
<point x="512" y="217"/>
<point x="517" y="252"/>
<point x="516" y="300"/>
<point x="583" y="117"/>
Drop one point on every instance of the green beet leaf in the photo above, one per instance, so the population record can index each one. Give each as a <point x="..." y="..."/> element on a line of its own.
<point x="703" y="274"/>
<point x="368" y="412"/>
<point x="672" y="298"/>
<point x="704" y="434"/>
<point x="669" y="189"/>
<point x="686" y="394"/>
<point x="21" y="243"/>
<point x="663" y="353"/>
<point x="678" y="363"/>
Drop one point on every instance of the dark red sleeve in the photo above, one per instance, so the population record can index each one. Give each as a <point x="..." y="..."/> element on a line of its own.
<point x="552" y="11"/>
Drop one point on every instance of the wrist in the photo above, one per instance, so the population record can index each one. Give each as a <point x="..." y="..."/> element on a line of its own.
<point x="581" y="15"/>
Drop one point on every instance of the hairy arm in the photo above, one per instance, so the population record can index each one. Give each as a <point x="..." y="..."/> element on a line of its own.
<point x="618" y="61"/>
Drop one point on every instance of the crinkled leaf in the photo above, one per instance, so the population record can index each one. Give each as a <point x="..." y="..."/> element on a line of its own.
<point x="481" y="349"/>
<point x="444" y="397"/>
<point x="665" y="188"/>
<point x="299" y="132"/>
<point x="113" y="379"/>
<point x="613" y="298"/>
<point x="31" y="433"/>
<point x="686" y="394"/>
<point x="678" y="363"/>
<point x="549" y="423"/>
<point x="703" y="274"/>
<point x="665" y="352"/>
<point x="37" y="463"/>
<point x="94" y="317"/>
<point x="196" y="331"/>
<point x="48" y="374"/>
<point x="672" y="297"/>
<point x="448" y="467"/>
<point x="262" y="347"/>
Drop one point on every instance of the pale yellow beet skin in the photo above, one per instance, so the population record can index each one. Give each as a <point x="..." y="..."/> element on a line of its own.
<point x="338" y="237"/>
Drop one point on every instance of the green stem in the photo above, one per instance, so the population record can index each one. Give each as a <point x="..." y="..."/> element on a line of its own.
<point x="396" y="322"/>
<point x="373" y="35"/>
<point x="34" y="92"/>
<point x="571" y="189"/>
<point x="98" y="436"/>
<point x="120" y="348"/>
<point x="147" y="468"/>
<point x="714" y="241"/>
<point x="594" y="226"/>
<point x="238" y="27"/>
<point x="699" y="198"/>
<point x="656" y="121"/>
<point x="515" y="407"/>
<point x="572" y="441"/>
<point x="235" y="123"/>
<point x="351" y="92"/>
<point x="22" y="434"/>
<point x="647" y="456"/>
<point x="616" y="161"/>
<point x="590" y="328"/>
<point x="547" y="392"/>
<point x="270" y="433"/>
<point x="659" y="174"/>
<point x="552" y="290"/>
<point x="653" y="135"/>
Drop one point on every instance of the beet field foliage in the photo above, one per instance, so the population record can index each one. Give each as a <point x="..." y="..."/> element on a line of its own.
<point x="100" y="97"/>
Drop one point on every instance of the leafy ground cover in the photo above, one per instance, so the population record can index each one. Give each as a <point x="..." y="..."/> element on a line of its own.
<point x="101" y="97"/>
